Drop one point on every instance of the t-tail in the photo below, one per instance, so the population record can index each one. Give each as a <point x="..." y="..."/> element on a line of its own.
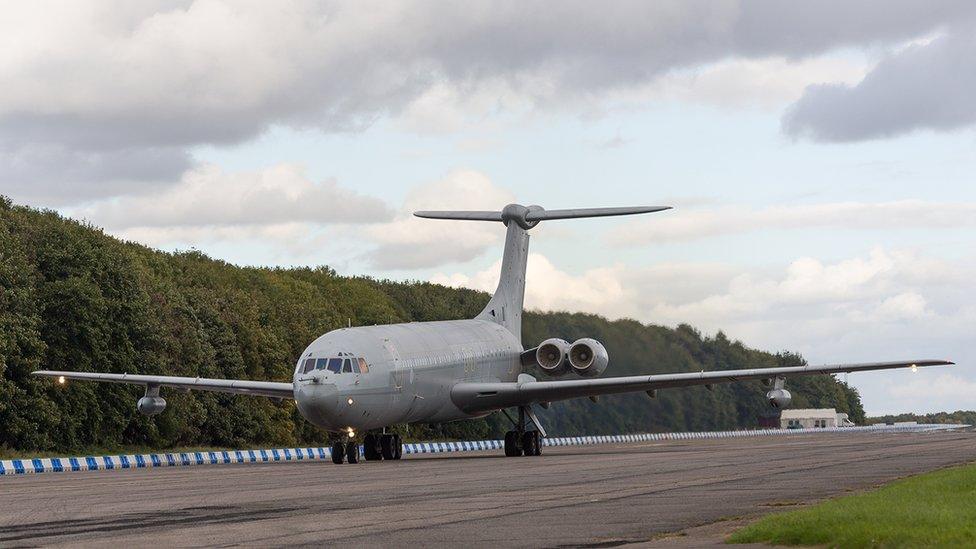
<point x="505" y="306"/>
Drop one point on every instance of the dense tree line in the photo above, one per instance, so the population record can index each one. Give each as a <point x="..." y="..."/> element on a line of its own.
<point x="965" y="417"/>
<point x="74" y="298"/>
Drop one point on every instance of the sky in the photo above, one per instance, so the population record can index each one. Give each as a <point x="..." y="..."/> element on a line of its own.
<point x="819" y="157"/>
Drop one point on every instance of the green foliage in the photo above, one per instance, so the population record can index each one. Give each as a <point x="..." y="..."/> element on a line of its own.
<point x="73" y="298"/>
<point x="932" y="510"/>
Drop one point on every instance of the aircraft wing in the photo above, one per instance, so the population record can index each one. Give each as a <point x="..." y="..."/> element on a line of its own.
<point x="482" y="397"/>
<point x="236" y="386"/>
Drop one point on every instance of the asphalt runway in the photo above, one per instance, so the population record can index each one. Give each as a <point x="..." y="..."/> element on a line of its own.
<point x="595" y="495"/>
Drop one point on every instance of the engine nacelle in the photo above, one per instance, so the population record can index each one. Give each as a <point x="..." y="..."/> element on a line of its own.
<point x="779" y="398"/>
<point x="151" y="405"/>
<point x="550" y="356"/>
<point x="588" y="357"/>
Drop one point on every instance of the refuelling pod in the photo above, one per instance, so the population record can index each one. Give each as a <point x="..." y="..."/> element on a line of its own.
<point x="779" y="398"/>
<point x="150" y="406"/>
<point x="550" y="357"/>
<point x="588" y="357"/>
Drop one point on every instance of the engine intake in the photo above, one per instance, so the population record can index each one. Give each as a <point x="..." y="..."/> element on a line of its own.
<point x="151" y="405"/>
<point x="779" y="398"/>
<point x="588" y="357"/>
<point x="550" y="356"/>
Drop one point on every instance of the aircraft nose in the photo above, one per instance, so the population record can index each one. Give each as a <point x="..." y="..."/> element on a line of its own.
<point x="323" y="404"/>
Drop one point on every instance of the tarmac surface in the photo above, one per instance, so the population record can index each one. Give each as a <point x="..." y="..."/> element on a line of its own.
<point x="571" y="496"/>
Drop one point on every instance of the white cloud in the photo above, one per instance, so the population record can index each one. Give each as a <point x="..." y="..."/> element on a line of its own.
<point x="765" y="83"/>
<point x="937" y="387"/>
<point x="887" y="305"/>
<point x="684" y="225"/>
<point x="408" y="242"/>
<point x="207" y="197"/>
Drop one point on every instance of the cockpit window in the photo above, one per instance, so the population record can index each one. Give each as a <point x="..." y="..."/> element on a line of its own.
<point x="363" y="368"/>
<point x="320" y="363"/>
<point x="347" y="366"/>
<point x="335" y="364"/>
<point x="309" y="364"/>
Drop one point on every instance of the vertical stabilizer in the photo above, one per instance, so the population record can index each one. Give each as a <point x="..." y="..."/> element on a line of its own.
<point x="505" y="306"/>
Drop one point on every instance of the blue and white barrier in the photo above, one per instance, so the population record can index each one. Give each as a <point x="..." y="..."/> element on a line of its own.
<point x="178" y="459"/>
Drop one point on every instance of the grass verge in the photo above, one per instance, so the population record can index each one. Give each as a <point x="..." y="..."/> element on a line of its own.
<point x="936" y="509"/>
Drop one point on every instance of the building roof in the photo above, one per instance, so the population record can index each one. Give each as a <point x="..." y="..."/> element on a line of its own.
<point x="812" y="413"/>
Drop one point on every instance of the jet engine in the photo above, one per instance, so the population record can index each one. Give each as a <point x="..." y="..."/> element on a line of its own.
<point x="550" y="356"/>
<point x="779" y="398"/>
<point x="588" y="357"/>
<point x="151" y="405"/>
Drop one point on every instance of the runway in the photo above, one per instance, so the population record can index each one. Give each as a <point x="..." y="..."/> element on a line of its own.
<point x="598" y="495"/>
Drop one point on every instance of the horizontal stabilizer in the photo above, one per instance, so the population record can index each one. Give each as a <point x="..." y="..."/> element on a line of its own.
<point x="529" y="216"/>
<point x="542" y="215"/>
<point x="464" y="216"/>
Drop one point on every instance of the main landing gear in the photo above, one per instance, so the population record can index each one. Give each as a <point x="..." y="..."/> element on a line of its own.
<point x="375" y="448"/>
<point x="519" y="442"/>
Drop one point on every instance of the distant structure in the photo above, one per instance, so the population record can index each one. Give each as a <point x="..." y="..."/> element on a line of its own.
<point x="813" y="418"/>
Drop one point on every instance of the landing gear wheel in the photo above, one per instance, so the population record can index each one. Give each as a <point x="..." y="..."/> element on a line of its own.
<point x="397" y="447"/>
<point x="386" y="447"/>
<point x="513" y="444"/>
<point x="352" y="452"/>
<point x="371" y="450"/>
<point x="338" y="452"/>
<point x="532" y="443"/>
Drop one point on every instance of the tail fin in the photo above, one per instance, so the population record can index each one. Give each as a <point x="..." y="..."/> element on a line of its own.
<point x="505" y="306"/>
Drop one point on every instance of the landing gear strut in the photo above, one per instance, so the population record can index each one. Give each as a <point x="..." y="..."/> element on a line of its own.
<point x="520" y="442"/>
<point x="338" y="451"/>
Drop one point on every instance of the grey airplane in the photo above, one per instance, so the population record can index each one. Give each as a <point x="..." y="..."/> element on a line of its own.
<point x="360" y="380"/>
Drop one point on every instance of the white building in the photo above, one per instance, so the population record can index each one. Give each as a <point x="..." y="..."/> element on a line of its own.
<point x="813" y="418"/>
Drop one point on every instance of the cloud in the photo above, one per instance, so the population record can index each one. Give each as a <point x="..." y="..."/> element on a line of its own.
<point x="116" y="76"/>
<point x="411" y="243"/>
<point x="886" y="286"/>
<point x="54" y="175"/>
<point x="924" y="86"/>
<point x="206" y="197"/>
<point x="885" y="305"/>
<point x="764" y="83"/>
<point x="681" y="226"/>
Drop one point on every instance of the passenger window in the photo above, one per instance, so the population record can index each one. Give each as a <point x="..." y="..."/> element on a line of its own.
<point x="309" y="364"/>
<point x="347" y="366"/>
<point x="363" y="367"/>
<point x="335" y="364"/>
<point x="320" y="364"/>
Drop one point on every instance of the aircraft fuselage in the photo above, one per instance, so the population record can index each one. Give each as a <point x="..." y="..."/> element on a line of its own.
<point x="409" y="372"/>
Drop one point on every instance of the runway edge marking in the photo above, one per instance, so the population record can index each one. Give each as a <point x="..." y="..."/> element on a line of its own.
<point x="10" y="467"/>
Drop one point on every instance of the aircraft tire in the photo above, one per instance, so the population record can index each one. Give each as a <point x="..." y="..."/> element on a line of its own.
<point x="352" y="452"/>
<point x="387" y="447"/>
<point x="397" y="447"/>
<point x="338" y="452"/>
<point x="530" y="443"/>
<point x="371" y="451"/>
<point x="513" y="445"/>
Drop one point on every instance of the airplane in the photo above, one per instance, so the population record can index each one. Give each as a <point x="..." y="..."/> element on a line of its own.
<point x="364" y="379"/>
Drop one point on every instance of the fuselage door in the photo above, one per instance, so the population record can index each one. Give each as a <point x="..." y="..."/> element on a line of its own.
<point x="397" y="366"/>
